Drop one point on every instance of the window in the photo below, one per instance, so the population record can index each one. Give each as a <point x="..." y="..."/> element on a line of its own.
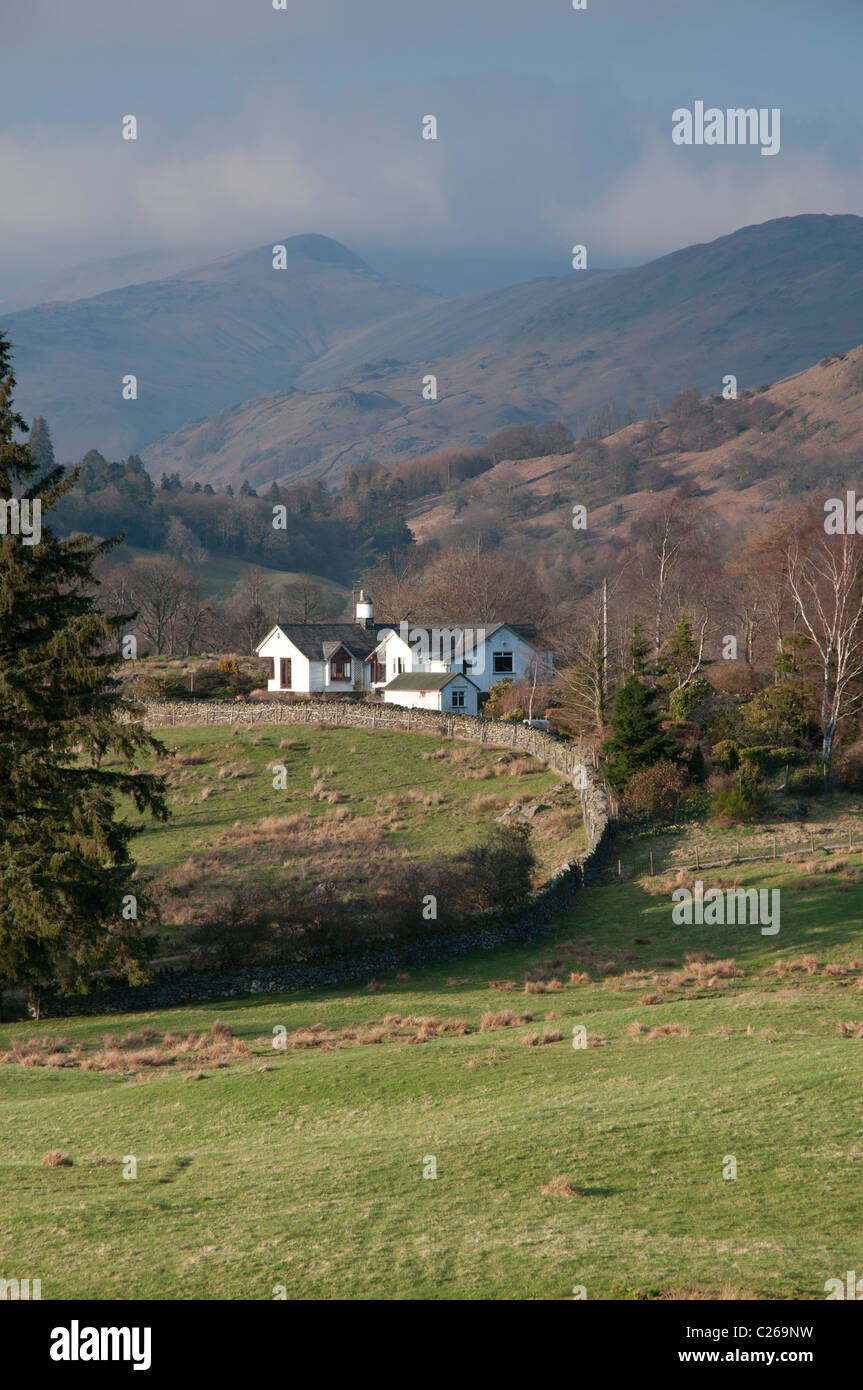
<point x="502" y="661"/>
<point x="340" y="667"/>
<point x="458" y="699"/>
<point x="284" y="673"/>
<point x="398" y="666"/>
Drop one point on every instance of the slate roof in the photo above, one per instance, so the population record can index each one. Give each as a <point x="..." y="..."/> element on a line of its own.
<point x="525" y="630"/>
<point x="318" y="641"/>
<point x="427" y="680"/>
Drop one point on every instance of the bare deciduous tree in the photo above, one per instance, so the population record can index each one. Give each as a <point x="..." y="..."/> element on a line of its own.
<point x="824" y="578"/>
<point x="159" y="585"/>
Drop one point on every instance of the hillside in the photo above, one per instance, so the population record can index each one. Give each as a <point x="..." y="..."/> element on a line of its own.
<point x="357" y="809"/>
<point x="250" y="374"/>
<point x="744" y="456"/>
<point x="762" y="303"/>
<point x="98" y="277"/>
<point x="602" y="1167"/>
<point x="197" y="341"/>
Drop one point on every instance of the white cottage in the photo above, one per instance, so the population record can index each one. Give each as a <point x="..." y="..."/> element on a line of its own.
<point x="448" y="691"/>
<point x="420" y="665"/>
<point x="486" y="652"/>
<point x="321" y="658"/>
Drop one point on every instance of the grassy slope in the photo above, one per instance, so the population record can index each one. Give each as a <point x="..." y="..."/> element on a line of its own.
<point x="220" y="573"/>
<point x="425" y="795"/>
<point x="309" y="1172"/>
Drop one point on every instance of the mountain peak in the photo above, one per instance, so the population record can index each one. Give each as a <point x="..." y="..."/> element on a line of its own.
<point x="312" y="246"/>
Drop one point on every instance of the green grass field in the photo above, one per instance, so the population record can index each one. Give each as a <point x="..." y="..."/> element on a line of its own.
<point x="350" y="797"/>
<point x="304" y="1167"/>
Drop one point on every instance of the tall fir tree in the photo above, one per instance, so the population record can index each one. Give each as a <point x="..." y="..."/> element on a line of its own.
<point x="41" y="448"/>
<point x="681" y="657"/>
<point x="638" y="739"/>
<point x="69" y="911"/>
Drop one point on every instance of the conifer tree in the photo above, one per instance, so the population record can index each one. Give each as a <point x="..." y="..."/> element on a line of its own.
<point x="637" y="739"/>
<point x="40" y="445"/>
<point x="68" y="910"/>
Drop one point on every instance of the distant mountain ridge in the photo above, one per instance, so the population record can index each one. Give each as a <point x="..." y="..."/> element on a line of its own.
<point x="196" y="341"/>
<point x="250" y="374"/>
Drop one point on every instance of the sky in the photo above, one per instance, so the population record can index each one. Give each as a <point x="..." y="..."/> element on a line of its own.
<point x="554" y="125"/>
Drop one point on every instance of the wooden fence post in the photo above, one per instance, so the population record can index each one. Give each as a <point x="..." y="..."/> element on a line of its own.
<point x="651" y="863"/>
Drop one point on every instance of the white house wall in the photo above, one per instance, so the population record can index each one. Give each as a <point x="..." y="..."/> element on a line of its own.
<point x="413" y="699"/>
<point x="437" y="699"/>
<point x="483" y="673"/>
<point x="278" y="648"/>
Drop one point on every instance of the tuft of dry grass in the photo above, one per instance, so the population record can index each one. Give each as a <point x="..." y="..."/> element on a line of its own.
<point x="129" y="1054"/>
<point x="372" y="1035"/>
<point x="503" y="1018"/>
<point x="727" y="1293"/>
<point x="668" y="1030"/>
<point x="55" y="1158"/>
<point x="488" y="801"/>
<point x="560" y="1186"/>
<point x="849" y="1030"/>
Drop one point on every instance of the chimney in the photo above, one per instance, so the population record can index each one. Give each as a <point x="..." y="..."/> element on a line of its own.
<point x="364" y="614"/>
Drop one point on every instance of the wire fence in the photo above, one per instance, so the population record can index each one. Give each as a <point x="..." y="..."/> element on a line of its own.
<point x="663" y="859"/>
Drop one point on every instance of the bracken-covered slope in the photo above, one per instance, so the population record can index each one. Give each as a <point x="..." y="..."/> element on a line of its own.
<point x="760" y="304"/>
<point x="771" y="448"/>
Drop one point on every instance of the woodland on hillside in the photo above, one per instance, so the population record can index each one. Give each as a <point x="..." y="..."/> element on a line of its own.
<point x="750" y="617"/>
